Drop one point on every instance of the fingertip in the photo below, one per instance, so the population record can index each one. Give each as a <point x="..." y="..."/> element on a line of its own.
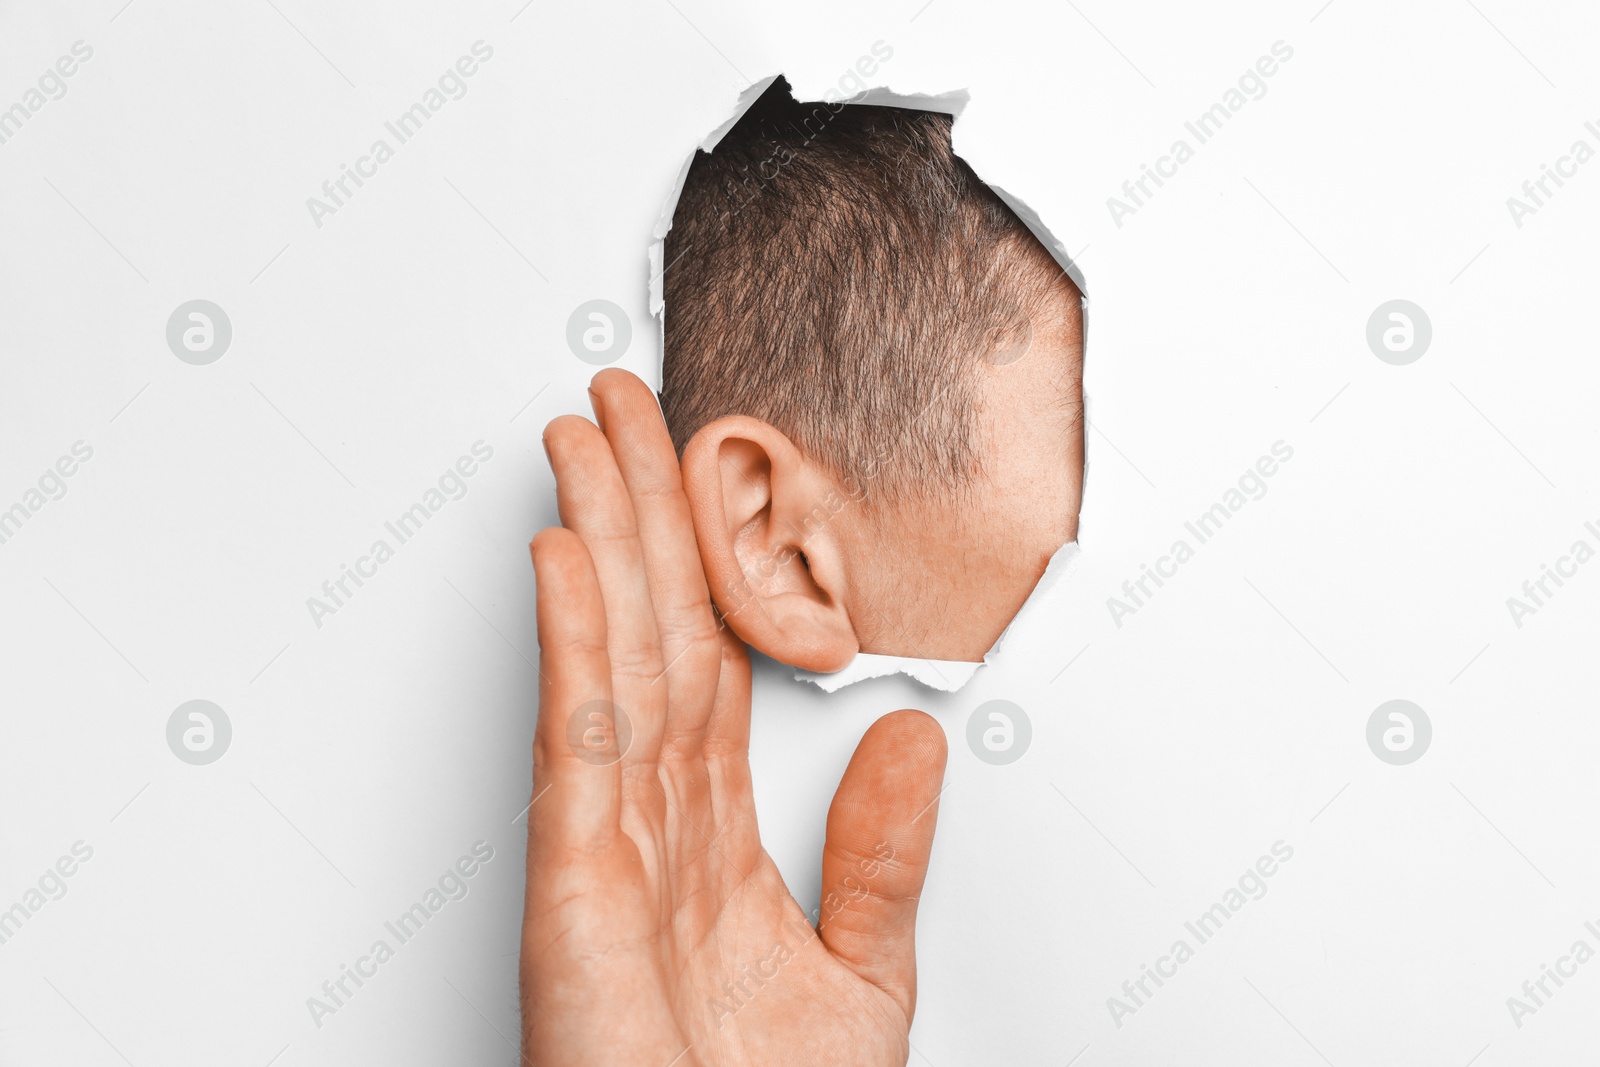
<point x="612" y="387"/>
<point x="614" y="378"/>
<point x="559" y="557"/>
<point x="542" y="540"/>
<point x="602" y="387"/>
<point x="555" y="434"/>
<point x="624" y="395"/>
<point x="563" y="429"/>
<point x="914" y="733"/>
<point x="912" y="719"/>
<point x="895" y="775"/>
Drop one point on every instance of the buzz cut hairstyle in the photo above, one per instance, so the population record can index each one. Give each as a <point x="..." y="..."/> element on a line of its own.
<point x="837" y="271"/>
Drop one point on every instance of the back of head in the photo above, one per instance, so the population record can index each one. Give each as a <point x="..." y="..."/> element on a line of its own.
<point x="837" y="271"/>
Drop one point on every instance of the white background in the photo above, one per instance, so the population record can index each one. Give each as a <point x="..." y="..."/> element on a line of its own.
<point x="430" y="312"/>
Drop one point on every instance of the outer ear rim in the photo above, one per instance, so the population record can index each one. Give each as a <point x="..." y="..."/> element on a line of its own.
<point x="749" y="617"/>
<point x="702" y="486"/>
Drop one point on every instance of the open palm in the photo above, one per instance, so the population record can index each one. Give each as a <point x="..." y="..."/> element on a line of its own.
<point x="657" y="931"/>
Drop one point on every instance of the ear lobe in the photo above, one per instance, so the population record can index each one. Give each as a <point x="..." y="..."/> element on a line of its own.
<point x="772" y="554"/>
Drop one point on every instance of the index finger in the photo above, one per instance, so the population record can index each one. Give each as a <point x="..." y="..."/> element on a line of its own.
<point x="631" y="419"/>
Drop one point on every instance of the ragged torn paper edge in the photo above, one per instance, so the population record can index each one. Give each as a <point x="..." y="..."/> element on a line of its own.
<point x="950" y="103"/>
<point x="945" y="675"/>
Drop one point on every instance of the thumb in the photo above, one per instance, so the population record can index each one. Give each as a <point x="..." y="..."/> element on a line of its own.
<point x="875" y="857"/>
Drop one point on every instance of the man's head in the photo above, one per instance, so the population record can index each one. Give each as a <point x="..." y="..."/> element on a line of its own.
<point x="872" y="372"/>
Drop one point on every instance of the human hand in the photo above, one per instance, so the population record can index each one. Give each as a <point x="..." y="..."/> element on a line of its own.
<point x="656" y="929"/>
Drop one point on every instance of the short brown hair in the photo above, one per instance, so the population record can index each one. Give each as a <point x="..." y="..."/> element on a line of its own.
<point x="837" y="271"/>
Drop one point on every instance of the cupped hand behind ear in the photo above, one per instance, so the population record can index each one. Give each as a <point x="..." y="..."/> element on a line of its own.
<point x="656" y="929"/>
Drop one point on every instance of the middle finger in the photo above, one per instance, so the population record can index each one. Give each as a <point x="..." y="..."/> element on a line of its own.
<point x="594" y="504"/>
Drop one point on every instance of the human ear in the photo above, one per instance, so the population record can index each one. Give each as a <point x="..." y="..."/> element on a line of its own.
<point x="763" y="515"/>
